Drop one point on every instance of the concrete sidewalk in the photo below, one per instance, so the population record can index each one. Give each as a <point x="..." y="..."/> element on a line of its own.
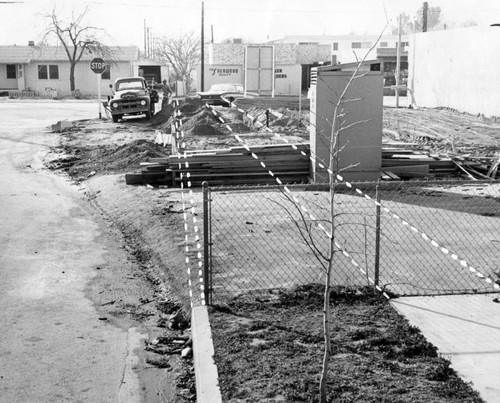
<point x="466" y="331"/>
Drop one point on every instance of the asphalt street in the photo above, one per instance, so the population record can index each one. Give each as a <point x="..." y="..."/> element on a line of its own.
<point x="54" y="347"/>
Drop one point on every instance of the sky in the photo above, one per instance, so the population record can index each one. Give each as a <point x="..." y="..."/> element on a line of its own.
<point x="252" y="20"/>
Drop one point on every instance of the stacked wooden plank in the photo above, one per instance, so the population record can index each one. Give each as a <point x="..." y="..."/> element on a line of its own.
<point x="238" y="166"/>
<point x="232" y="166"/>
<point x="407" y="164"/>
<point x="479" y="167"/>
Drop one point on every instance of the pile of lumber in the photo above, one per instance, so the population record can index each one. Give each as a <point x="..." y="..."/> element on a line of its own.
<point x="400" y="163"/>
<point x="479" y="167"/>
<point x="232" y="166"/>
<point x="237" y="166"/>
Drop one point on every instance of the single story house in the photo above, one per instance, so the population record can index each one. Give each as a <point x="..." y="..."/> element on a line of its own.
<point x="46" y="69"/>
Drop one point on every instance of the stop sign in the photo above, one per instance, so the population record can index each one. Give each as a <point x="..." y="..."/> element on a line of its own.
<point x="98" y="66"/>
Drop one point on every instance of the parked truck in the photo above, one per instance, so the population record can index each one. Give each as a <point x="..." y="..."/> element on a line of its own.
<point x="132" y="96"/>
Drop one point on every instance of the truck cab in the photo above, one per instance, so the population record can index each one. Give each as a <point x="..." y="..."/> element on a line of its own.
<point x="132" y="96"/>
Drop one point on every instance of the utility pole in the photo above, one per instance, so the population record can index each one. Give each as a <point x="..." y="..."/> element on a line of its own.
<point x="212" y="33"/>
<point x="145" y="46"/>
<point x="424" y="16"/>
<point x="202" y="76"/>
<point x="151" y="43"/>
<point x="398" y="62"/>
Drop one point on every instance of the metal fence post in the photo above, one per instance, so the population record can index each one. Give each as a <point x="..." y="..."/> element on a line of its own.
<point x="377" y="238"/>
<point x="207" y="288"/>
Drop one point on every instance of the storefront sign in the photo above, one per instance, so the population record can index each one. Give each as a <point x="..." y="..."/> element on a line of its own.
<point x="278" y="73"/>
<point x="223" y="72"/>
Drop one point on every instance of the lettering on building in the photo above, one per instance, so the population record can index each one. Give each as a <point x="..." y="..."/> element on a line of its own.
<point x="278" y="73"/>
<point x="223" y="72"/>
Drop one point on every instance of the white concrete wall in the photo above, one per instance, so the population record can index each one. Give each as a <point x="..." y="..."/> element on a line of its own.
<point x="457" y="69"/>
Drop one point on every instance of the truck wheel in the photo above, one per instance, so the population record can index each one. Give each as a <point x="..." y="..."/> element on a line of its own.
<point x="116" y="118"/>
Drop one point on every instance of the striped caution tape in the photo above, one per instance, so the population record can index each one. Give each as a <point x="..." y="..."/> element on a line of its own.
<point x="304" y="209"/>
<point x="179" y="135"/>
<point x="395" y="216"/>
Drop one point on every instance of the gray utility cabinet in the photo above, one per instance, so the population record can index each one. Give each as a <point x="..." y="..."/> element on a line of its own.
<point x="360" y="145"/>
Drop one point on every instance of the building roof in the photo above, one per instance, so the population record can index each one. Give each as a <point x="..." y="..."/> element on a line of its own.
<point x="391" y="52"/>
<point x="349" y="66"/>
<point x="331" y="38"/>
<point x="14" y="54"/>
<point x="27" y="54"/>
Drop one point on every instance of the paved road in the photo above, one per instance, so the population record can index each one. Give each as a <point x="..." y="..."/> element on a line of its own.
<point x="53" y="347"/>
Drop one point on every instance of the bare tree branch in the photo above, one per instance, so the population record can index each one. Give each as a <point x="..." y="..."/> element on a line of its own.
<point x="76" y="38"/>
<point x="182" y="53"/>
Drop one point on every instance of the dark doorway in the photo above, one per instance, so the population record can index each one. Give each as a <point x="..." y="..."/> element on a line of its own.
<point x="306" y="74"/>
<point x="151" y="72"/>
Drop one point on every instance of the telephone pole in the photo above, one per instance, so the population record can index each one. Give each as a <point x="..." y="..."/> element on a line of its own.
<point x="424" y="16"/>
<point x="398" y="62"/>
<point x="145" y="41"/>
<point x="202" y="76"/>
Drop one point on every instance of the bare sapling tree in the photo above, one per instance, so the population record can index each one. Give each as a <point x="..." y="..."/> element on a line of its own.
<point x="313" y="230"/>
<point x="182" y="53"/>
<point x="77" y="38"/>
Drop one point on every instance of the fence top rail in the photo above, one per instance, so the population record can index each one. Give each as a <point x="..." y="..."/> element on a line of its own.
<point x="361" y="185"/>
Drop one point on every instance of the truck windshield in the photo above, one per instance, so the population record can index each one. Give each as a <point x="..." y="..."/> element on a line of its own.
<point x="127" y="85"/>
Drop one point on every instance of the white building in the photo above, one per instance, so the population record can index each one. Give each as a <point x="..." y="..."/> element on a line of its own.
<point x="46" y="69"/>
<point x="347" y="48"/>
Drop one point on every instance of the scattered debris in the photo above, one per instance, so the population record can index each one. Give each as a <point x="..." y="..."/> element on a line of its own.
<point x="62" y="125"/>
<point x="187" y="352"/>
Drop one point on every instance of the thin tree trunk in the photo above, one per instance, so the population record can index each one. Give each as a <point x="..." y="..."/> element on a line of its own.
<point x="72" y="77"/>
<point x="326" y="331"/>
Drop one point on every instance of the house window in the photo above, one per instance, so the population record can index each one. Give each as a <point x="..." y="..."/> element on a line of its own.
<point x="383" y="44"/>
<point x="11" y="71"/>
<point x="42" y="72"/>
<point x="106" y="75"/>
<point x="335" y="46"/>
<point x="366" y="45"/>
<point x="54" y="72"/>
<point x="356" y="45"/>
<point x="46" y="72"/>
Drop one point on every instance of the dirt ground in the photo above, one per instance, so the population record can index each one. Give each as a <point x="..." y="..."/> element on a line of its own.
<point x="439" y="130"/>
<point x="263" y="340"/>
<point x="270" y="346"/>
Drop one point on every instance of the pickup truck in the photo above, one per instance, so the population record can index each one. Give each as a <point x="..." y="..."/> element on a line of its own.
<point x="132" y="96"/>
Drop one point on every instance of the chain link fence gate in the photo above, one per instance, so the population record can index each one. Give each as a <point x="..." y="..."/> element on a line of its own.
<point x="425" y="238"/>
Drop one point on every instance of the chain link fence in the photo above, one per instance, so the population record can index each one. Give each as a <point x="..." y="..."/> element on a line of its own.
<point x="424" y="238"/>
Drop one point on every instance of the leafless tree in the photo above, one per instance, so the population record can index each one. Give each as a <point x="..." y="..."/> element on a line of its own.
<point x="311" y="230"/>
<point x="407" y="25"/>
<point x="76" y="37"/>
<point x="182" y="53"/>
<point x="433" y="18"/>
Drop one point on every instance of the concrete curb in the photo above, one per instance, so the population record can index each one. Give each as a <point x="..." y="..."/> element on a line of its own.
<point x="207" y="379"/>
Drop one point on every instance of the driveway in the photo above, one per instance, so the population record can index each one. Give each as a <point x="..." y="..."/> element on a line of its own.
<point x="54" y="346"/>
